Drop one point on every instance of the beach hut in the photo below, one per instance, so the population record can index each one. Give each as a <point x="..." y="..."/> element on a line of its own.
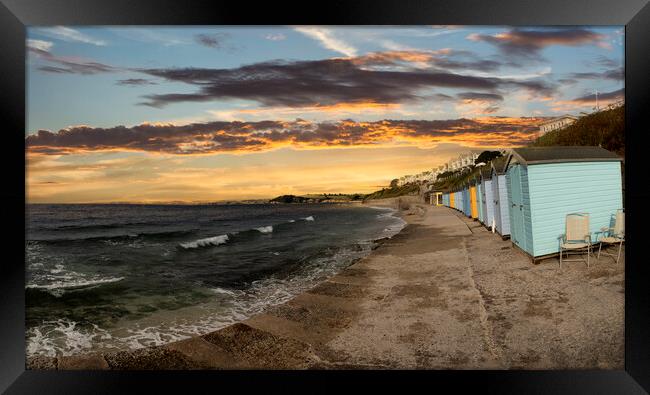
<point x="461" y="200"/>
<point x="499" y="198"/>
<point x="486" y="196"/>
<point x="477" y="180"/>
<point x="435" y="198"/>
<point x="547" y="183"/>
<point x="452" y="199"/>
<point x="467" y="204"/>
<point x="473" y="209"/>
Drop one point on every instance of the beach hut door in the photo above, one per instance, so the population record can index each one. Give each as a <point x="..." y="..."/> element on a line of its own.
<point x="516" y="210"/>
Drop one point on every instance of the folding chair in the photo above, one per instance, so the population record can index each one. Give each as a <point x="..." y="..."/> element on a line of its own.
<point x="614" y="235"/>
<point x="577" y="237"/>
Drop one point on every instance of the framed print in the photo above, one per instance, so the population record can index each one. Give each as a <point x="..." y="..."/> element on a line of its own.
<point x="393" y="192"/>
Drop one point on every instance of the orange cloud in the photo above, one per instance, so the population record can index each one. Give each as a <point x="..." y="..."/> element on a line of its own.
<point x="247" y="137"/>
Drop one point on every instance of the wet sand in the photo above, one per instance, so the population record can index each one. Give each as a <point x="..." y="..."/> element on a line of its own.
<point x="445" y="293"/>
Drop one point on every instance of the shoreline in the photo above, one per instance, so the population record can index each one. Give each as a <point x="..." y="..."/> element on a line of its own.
<point x="443" y="293"/>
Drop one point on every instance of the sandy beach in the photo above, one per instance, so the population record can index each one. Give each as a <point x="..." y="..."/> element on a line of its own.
<point x="444" y="293"/>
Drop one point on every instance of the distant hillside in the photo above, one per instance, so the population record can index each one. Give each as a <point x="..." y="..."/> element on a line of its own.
<point x="604" y="128"/>
<point x="291" y="199"/>
<point x="408" y="189"/>
<point x="318" y="198"/>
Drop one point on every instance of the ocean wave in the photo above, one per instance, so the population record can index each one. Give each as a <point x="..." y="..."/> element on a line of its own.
<point x="231" y="237"/>
<point x="265" y="229"/>
<point x="396" y="227"/>
<point x="64" y="337"/>
<point x="114" y="239"/>
<point x="99" y="226"/>
<point x="310" y="218"/>
<point x="207" y="242"/>
<point x="230" y="306"/>
<point x="70" y="281"/>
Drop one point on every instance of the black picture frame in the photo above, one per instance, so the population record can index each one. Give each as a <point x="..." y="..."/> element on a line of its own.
<point x="15" y="15"/>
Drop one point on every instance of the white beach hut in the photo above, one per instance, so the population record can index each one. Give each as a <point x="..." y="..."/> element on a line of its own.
<point x="499" y="198"/>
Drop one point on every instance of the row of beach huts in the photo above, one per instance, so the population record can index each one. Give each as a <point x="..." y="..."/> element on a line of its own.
<point x="527" y="194"/>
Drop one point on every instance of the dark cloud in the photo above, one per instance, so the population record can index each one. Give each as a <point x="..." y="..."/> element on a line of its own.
<point x="528" y="42"/>
<point x="448" y="59"/>
<point x="214" y="40"/>
<point x="604" y="61"/>
<point x="56" y="70"/>
<point x="321" y="82"/>
<point x="135" y="82"/>
<point x="218" y="137"/>
<point x="618" y="94"/>
<point x="491" y="109"/>
<point x="617" y="74"/>
<point x="567" y="81"/>
<point x="69" y="65"/>
<point x="479" y="65"/>
<point x="480" y="96"/>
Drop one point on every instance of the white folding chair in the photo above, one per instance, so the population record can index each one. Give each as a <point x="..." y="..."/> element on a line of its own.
<point x="577" y="238"/>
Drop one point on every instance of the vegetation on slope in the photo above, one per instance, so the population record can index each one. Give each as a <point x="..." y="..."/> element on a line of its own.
<point x="605" y="129"/>
<point x="318" y="198"/>
<point x="408" y="189"/>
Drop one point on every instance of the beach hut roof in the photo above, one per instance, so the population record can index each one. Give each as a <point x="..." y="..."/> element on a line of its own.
<point x="499" y="164"/>
<point x="536" y="155"/>
<point x="486" y="172"/>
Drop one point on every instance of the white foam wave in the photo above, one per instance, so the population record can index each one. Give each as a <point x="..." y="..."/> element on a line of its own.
<point x="63" y="337"/>
<point x="72" y="280"/>
<point x="264" y="229"/>
<point x="154" y="336"/>
<point x="398" y="223"/>
<point x="310" y="218"/>
<point x="292" y="220"/>
<point x="223" y="291"/>
<point x="209" y="241"/>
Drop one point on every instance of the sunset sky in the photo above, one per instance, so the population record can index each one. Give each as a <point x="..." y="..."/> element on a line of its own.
<point x="195" y="114"/>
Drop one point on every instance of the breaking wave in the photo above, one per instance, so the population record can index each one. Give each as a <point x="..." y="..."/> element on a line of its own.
<point x="265" y="229"/>
<point x="208" y="241"/>
<point x="59" y="280"/>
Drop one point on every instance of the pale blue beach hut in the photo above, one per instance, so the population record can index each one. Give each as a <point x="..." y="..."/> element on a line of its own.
<point x="486" y="196"/>
<point x="466" y="201"/>
<point x="461" y="196"/>
<point x="547" y="183"/>
<point x="499" y="198"/>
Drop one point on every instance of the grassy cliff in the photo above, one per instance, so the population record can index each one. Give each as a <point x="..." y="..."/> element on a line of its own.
<point x="604" y="128"/>
<point x="318" y="198"/>
<point x="409" y="189"/>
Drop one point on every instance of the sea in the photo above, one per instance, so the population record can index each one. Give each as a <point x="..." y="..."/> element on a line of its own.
<point x="108" y="277"/>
